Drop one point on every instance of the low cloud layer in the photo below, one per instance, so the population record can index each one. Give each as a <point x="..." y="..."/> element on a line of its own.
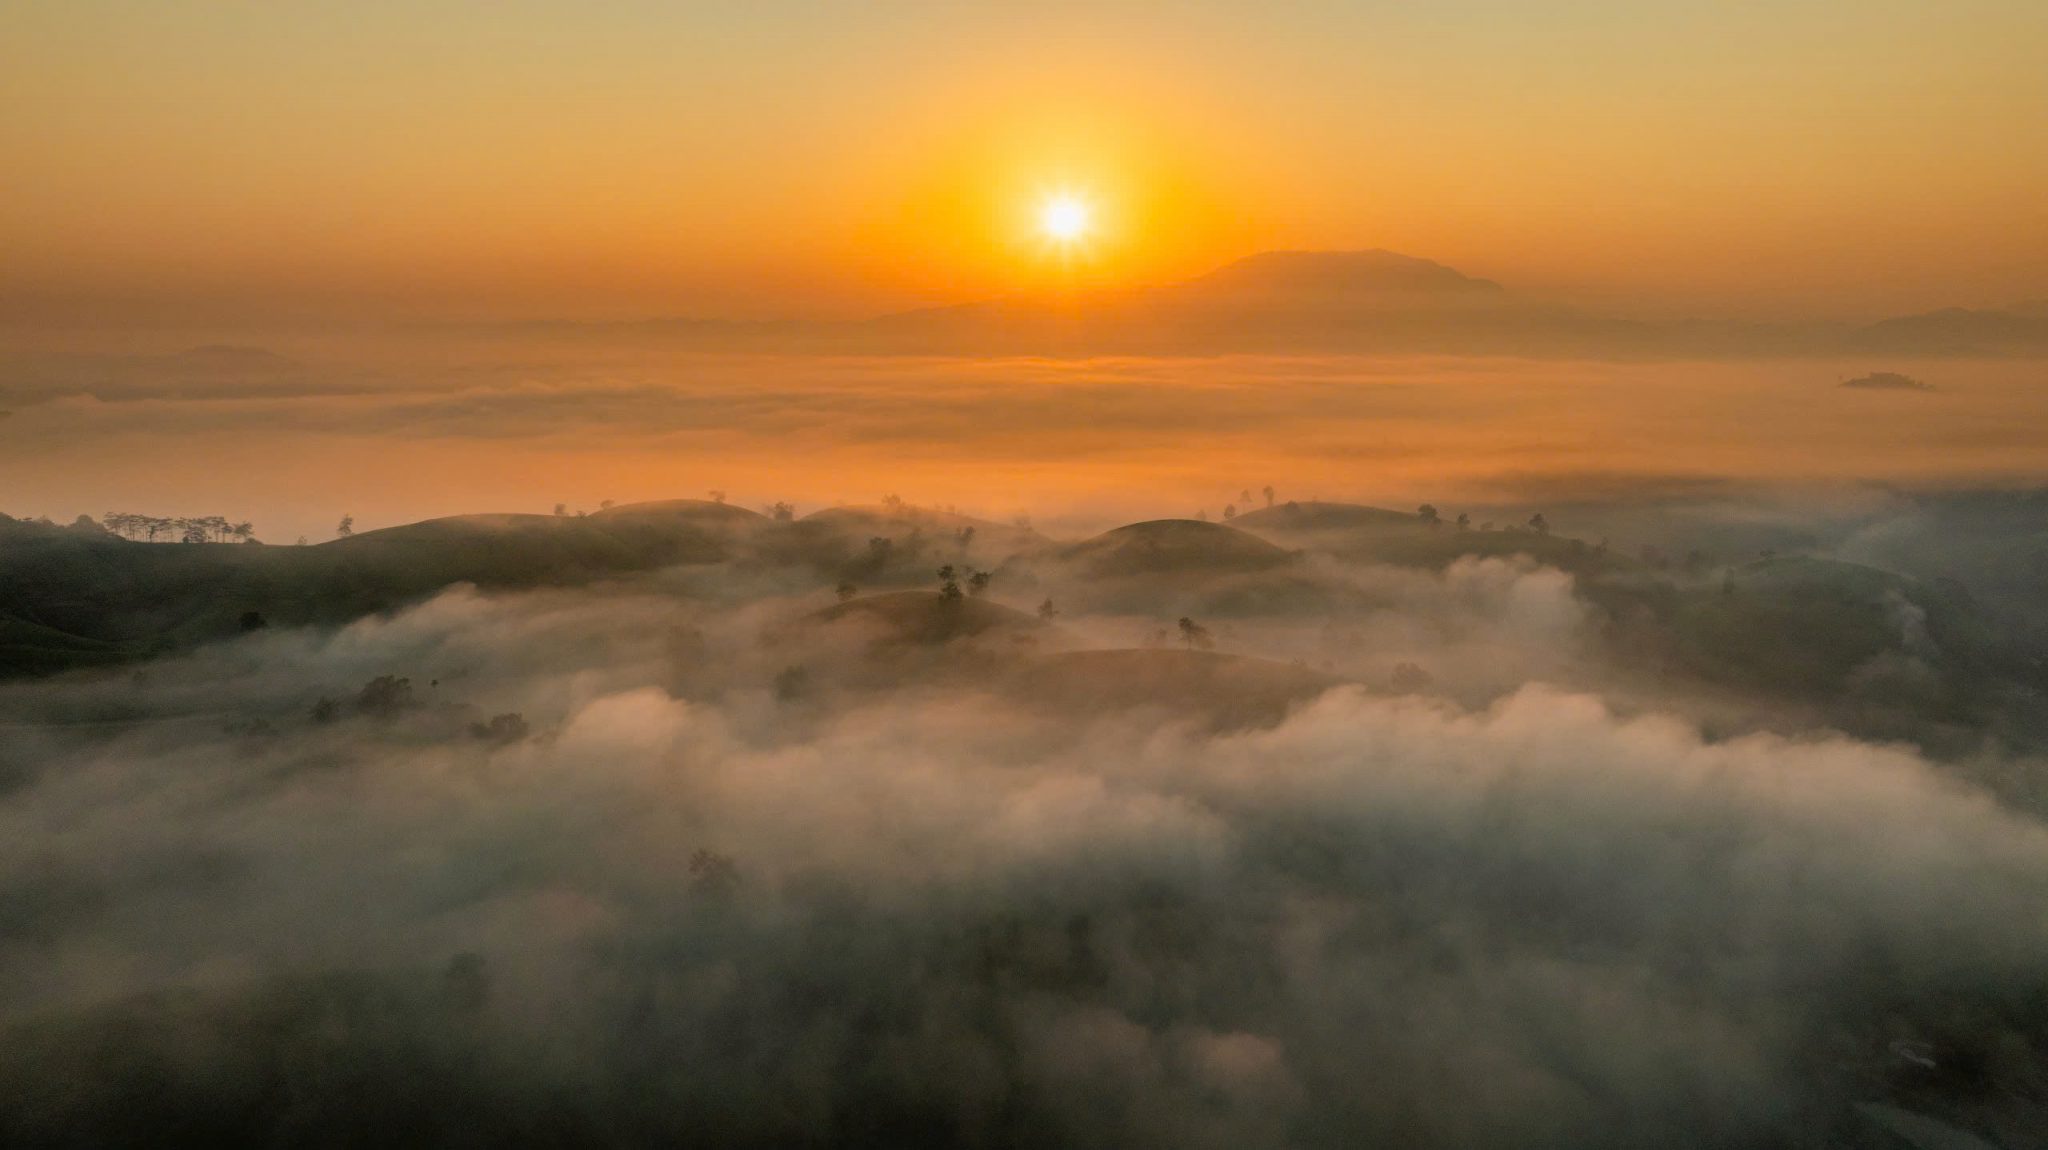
<point x="720" y="910"/>
<point x="402" y="432"/>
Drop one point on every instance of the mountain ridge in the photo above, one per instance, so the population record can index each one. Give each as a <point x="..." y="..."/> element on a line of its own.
<point x="1327" y="301"/>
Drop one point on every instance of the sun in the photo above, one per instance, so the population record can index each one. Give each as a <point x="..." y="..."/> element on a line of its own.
<point x="1064" y="218"/>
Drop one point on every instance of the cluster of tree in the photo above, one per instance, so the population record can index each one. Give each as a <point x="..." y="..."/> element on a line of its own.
<point x="562" y="509"/>
<point x="383" y="697"/>
<point x="949" y="582"/>
<point x="1244" y="497"/>
<point x="1433" y="518"/>
<point x="503" y="730"/>
<point x="712" y="873"/>
<point x="181" y="529"/>
<point x="884" y="552"/>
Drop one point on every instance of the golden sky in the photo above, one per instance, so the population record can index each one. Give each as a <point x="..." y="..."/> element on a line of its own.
<point x="1842" y="157"/>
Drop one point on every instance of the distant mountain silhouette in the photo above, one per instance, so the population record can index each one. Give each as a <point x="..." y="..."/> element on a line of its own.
<point x="1960" y="331"/>
<point x="1328" y="277"/>
<point x="1310" y="302"/>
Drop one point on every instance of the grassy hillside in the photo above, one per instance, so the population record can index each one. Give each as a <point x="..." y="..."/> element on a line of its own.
<point x="75" y="596"/>
<point x="1405" y="539"/>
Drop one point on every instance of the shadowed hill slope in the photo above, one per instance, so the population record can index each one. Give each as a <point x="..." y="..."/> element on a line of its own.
<point x="927" y="617"/>
<point x="77" y="596"/>
<point x="1163" y="546"/>
<point x="1405" y="539"/>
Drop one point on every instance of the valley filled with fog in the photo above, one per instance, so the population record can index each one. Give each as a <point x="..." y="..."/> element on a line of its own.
<point x="1702" y="816"/>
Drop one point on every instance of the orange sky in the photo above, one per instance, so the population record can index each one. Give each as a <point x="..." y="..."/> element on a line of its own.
<point x="445" y="159"/>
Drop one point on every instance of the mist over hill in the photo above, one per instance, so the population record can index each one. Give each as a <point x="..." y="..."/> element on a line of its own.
<point x="1588" y="825"/>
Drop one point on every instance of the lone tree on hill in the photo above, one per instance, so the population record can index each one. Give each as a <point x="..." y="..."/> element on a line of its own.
<point x="1267" y="491"/>
<point x="1047" y="611"/>
<point x="346" y="527"/>
<point x="1194" y="636"/>
<point x="1428" y="514"/>
<point x="949" y="584"/>
<point x="1539" y="524"/>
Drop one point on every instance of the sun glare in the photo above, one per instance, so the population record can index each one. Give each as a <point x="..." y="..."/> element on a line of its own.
<point x="1064" y="218"/>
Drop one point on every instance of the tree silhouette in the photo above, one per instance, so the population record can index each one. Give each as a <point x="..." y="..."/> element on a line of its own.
<point x="1267" y="491"/>
<point x="1229" y="512"/>
<point x="1047" y="611"/>
<point x="561" y="509"/>
<point x="713" y="874"/>
<point x="716" y="495"/>
<point x="503" y="730"/>
<point x="1539" y="524"/>
<point x="384" y="696"/>
<point x="1427" y="513"/>
<point x="347" y="527"/>
<point x="1409" y="679"/>
<point x="1464" y="522"/>
<point x="977" y="583"/>
<point x="1194" y="636"/>
<point x="845" y="591"/>
<point x="949" y="586"/>
<point x="782" y="512"/>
